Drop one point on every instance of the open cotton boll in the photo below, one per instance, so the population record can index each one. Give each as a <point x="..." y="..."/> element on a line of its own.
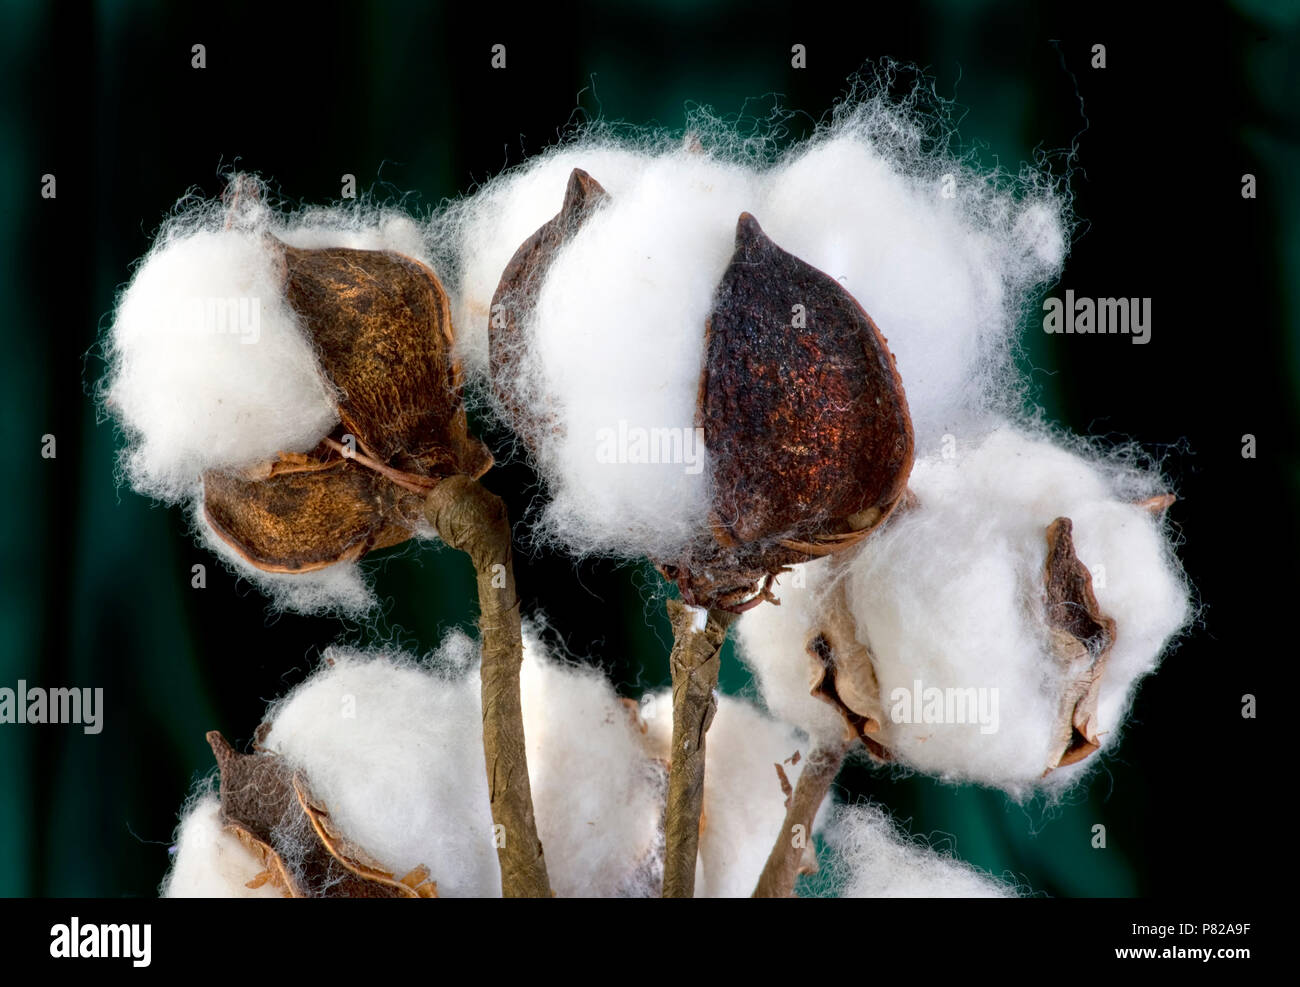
<point x="209" y="861"/>
<point x="481" y="232"/>
<point x="773" y="641"/>
<point x="744" y="804"/>
<point x="871" y="858"/>
<point x="208" y="366"/>
<point x="394" y="749"/>
<point x="950" y="599"/>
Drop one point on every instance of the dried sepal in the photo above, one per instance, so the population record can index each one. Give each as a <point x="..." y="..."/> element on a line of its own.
<point x="273" y="813"/>
<point x="307" y="515"/>
<point x="1081" y="639"/>
<point x="516" y="293"/>
<point x="381" y="325"/>
<point x="842" y="672"/>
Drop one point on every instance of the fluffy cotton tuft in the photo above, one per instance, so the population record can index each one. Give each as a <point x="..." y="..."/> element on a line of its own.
<point x="773" y="641"/>
<point x="943" y="257"/>
<point x="393" y="747"/>
<point x="196" y="388"/>
<point x="744" y="804"/>
<point x="871" y="858"/>
<point x="209" y="861"/>
<point x="340" y="590"/>
<point x="950" y="594"/>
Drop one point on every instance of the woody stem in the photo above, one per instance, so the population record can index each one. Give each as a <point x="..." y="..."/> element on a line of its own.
<point x="785" y="860"/>
<point x="470" y="518"/>
<point x="698" y="636"/>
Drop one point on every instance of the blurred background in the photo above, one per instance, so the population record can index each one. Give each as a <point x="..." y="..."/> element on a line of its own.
<point x="96" y="580"/>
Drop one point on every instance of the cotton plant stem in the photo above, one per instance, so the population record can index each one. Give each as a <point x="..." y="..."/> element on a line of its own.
<point x="784" y="862"/>
<point x="698" y="636"/>
<point x="470" y="518"/>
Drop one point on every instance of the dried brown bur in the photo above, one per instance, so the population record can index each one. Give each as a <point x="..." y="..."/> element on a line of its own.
<point x="843" y="673"/>
<point x="381" y="326"/>
<point x="1081" y="637"/>
<point x="805" y="420"/>
<point x="272" y="812"/>
<point x="516" y="293"/>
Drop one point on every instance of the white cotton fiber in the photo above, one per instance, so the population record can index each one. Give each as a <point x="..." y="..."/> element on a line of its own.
<point x="209" y="861"/>
<point x="871" y="858"/>
<point x="950" y="594"/>
<point x="480" y="233"/>
<point x="337" y="590"/>
<point x="773" y="641"/>
<point x="943" y="256"/>
<point x="208" y="364"/>
<point x="393" y="748"/>
<point x="744" y="804"/>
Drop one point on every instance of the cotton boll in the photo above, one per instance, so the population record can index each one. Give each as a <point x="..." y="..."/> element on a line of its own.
<point x="394" y="749"/>
<point x="951" y="596"/>
<point x="773" y="641"/>
<point x="396" y="754"/>
<point x="871" y="858"/>
<point x="208" y="364"/>
<point x="744" y="804"/>
<point x="209" y="861"/>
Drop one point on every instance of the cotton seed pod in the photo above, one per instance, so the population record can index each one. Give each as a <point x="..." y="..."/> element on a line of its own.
<point x="381" y="327"/>
<point x="994" y="631"/>
<point x="271" y="811"/>
<point x="799" y="402"/>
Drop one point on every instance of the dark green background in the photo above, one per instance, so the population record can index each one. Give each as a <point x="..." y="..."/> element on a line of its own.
<point x="96" y="581"/>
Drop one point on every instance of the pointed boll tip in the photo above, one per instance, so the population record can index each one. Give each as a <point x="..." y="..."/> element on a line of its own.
<point x="582" y="191"/>
<point x="221" y="748"/>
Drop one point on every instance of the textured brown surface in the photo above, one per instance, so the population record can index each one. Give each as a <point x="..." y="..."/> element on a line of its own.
<point x="788" y="859"/>
<point x="806" y="427"/>
<point x="694" y="663"/>
<point x="808" y="431"/>
<point x="472" y="519"/>
<point x="1082" y="637"/>
<point x="274" y="814"/>
<point x="517" y="292"/>
<point x="380" y="324"/>
<point x="305" y="518"/>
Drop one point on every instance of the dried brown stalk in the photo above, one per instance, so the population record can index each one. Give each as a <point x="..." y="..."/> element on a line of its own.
<point x="694" y="662"/>
<point x="473" y="520"/>
<point x="786" y="861"/>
